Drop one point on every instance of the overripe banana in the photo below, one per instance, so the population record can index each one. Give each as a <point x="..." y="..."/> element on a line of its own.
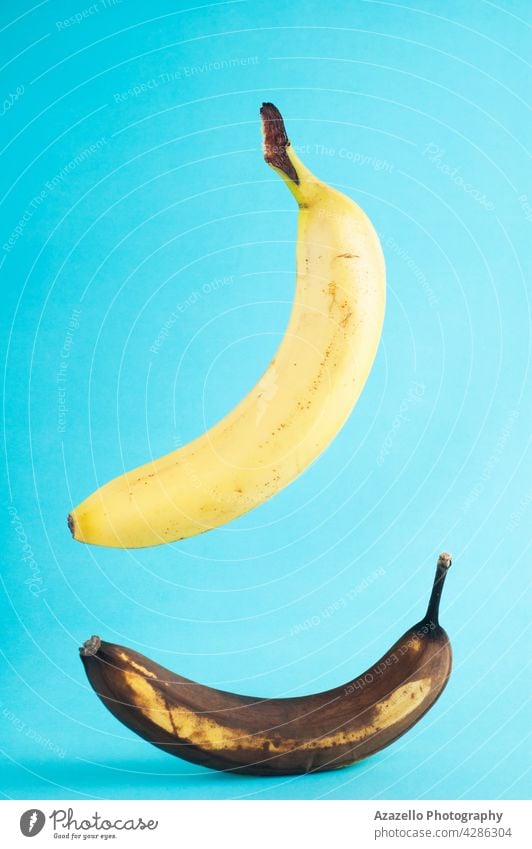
<point x="298" y="405"/>
<point x="278" y="736"/>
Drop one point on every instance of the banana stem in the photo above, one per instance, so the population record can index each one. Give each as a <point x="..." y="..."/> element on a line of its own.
<point x="433" y="609"/>
<point x="280" y="155"/>
<point x="90" y="647"/>
<point x="276" y="141"/>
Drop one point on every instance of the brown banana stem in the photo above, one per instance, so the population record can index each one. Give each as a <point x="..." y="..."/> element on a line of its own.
<point x="276" y="141"/>
<point x="433" y="609"/>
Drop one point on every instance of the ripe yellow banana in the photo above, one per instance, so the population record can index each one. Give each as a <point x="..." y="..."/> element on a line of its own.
<point x="298" y="405"/>
<point x="278" y="736"/>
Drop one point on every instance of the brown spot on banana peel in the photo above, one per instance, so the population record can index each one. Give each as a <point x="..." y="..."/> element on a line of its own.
<point x="345" y="320"/>
<point x="278" y="736"/>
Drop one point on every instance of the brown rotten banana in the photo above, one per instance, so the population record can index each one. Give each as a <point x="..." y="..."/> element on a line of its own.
<point x="278" y="736"/>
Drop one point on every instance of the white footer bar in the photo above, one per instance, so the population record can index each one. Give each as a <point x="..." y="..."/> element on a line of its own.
<point x="265" y="824"/>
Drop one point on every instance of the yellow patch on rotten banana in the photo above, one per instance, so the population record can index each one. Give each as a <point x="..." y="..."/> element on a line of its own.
<point x="138" y="666"/>
<point x="400" y="703"/>
<point x="186" y="724"/>
<point x="206" y="733"/>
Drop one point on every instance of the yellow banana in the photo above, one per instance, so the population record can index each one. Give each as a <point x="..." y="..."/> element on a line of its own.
<point x="278" y="736"/>
<point x="298" y="405"/>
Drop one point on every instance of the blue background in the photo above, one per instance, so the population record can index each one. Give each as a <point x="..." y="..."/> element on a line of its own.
<point x="172" y="220"/>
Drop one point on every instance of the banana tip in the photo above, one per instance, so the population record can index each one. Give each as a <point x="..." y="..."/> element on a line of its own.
<point x="90" y="647"/>
<point x="71" y="524"/>
<point x="445" y="560"/>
